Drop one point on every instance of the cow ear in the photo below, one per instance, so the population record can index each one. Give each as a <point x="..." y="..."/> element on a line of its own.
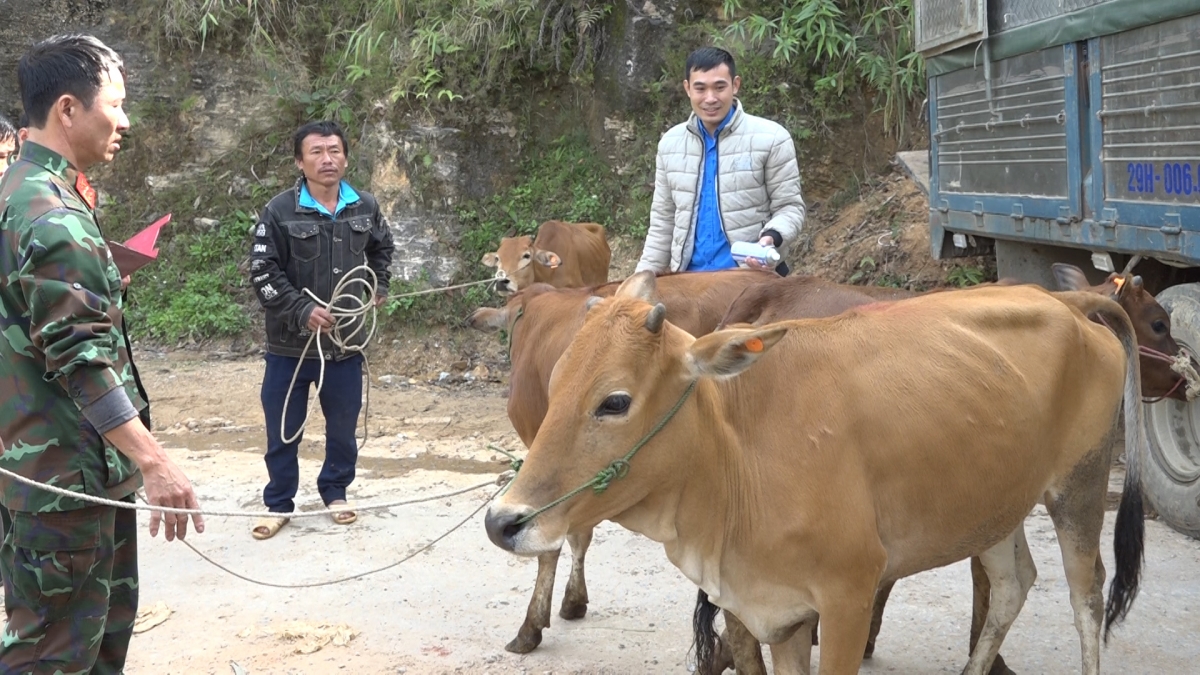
<point x="491" y="259"/>
<point x="548" y="258"/>
<point x="642" y="285"/>
<point x="488" y="319"/>
<point x="726" y="353"/>
<point x="1069" y="277"/>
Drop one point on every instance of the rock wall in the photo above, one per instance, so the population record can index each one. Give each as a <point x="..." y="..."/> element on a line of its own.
<point x="419" y="167"/>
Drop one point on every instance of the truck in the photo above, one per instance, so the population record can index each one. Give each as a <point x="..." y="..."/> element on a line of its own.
<point x="1069" y="131"/>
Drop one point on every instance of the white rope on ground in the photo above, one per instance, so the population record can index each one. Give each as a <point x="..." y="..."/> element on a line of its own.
<point x="331" y="582"/>
<point x="102" y="501"/>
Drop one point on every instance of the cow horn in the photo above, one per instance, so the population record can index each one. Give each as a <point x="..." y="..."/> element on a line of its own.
<point x="592" y="301"/>
<point x="654" y="320"/>
<point x="1137" y="281"/>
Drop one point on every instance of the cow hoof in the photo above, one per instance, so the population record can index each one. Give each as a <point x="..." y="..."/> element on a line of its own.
<point x="1000" y="668"/>
<point x="525" y="642"/>
<point x="573" y="612"/>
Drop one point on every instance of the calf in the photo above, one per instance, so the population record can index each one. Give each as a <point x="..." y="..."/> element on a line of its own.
<point x="564" y="255"/>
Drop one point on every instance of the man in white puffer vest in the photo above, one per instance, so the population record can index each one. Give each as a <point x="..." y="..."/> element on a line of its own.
<point x="722" y="176"/>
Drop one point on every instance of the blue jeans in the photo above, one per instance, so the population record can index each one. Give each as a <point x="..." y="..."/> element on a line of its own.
<point x="341" y="401"/>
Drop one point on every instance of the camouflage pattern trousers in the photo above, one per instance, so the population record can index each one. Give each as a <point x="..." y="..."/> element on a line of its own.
<point x="70" y="591"/>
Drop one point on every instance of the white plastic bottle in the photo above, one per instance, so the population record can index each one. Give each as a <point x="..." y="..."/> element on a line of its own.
<point x="748" y="250"/>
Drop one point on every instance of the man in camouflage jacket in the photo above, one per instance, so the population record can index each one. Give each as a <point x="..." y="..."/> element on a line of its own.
<point x="71" y="414"/>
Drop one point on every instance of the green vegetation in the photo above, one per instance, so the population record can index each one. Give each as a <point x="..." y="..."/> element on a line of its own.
<point x="564" y="181"/>
<point x="199" y="289"/>
<point x="966" y="275"/>
<point x="829" y="48"/>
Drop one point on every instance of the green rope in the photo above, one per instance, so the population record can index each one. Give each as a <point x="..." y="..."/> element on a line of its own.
<point x="618" y="468"/>
<point x="513" y="330"/>
<point x="514" y="462"/>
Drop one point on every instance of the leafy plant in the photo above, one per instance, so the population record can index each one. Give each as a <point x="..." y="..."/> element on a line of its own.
<point x="194" y="292"/>
<point x="836" y="45"/>
<point x="865" y="267"/>
<point x="965" y="275"/>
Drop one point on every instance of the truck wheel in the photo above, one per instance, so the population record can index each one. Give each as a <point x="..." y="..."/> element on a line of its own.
<point x="1171" y="475"/>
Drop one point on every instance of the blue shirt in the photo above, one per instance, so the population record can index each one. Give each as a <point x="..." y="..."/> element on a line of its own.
<point x="346" y="197"/>
<point x="711" y="251"/>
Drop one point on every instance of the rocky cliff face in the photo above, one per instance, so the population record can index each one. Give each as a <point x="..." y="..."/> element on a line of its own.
<point x="193" y="111"/>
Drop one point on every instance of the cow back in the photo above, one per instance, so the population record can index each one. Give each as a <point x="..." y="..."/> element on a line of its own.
<point x="583" y="249"/>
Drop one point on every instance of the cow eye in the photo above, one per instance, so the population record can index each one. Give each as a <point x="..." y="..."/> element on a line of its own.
<point x="1159" y="326"/>
<point x="615" y="404"/>
<point x="527" y="255"/>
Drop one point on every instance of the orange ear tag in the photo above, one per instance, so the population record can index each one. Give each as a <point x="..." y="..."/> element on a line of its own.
<point x="753" y="345"/>
<point x="1119" y="282"/>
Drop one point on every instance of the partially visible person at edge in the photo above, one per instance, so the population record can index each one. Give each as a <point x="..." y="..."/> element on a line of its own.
<point x="722" y="176"/>
<point x="73" y="416"/>
<point x="9" y="142"/>
<point x="308" y="238"/>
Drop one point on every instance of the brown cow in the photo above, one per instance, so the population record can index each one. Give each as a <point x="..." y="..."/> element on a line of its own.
<point x="541" y="322"/>
<point x="1150" y="320"/>
<point x="813" y="513"/>
<point x="564" y="255"/>
<point x="798" y="297"/>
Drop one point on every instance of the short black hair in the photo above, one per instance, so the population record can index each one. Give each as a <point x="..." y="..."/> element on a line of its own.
<point x="321" y="128"/>
<point x="23" y="120"/>
<point x="7" y="130"/>
<point x="64" y="64"/>
<point x="707" y="58"/>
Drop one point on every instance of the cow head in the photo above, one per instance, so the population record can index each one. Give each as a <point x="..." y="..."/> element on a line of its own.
<point x="624" y="372"/>
<point x="517" y="261"/>
<point x="1151" y="323"/>
<point x="492" y="319"/>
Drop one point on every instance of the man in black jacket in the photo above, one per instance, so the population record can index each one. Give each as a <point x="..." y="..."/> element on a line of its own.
<point x="306" y="241"/>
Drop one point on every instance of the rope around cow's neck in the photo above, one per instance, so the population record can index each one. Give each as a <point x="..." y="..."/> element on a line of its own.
<point x="618" y="468"/>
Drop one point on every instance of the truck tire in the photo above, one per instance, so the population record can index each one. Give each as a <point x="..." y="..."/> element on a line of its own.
<point x="1171" y="475"/>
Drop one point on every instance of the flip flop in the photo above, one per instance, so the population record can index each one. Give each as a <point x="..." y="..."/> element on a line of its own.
<point x="268" y="527"/>
<point x="342" y="517"/>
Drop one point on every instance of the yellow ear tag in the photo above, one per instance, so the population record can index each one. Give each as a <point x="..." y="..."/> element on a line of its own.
<point x="1119" y="282"/>
<point x="754" y="345"/>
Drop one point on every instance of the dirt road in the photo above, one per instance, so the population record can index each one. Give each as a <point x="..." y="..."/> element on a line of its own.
<point x="452" y="609"/>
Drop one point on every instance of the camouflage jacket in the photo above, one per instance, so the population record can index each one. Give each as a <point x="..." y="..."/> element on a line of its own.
<point x="61" y="346"/>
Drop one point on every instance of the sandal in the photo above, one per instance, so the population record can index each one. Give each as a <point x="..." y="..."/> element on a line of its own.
<point x="267" y="527"/>
<point x="342" y="517"/>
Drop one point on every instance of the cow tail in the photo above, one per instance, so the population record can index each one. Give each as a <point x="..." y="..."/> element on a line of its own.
<point x="1129" y="535"/>
<point x="705" y="634"/>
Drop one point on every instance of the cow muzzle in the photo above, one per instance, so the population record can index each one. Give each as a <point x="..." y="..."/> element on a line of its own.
<point x="507" y="529"/>
<point x="504" y="285"/>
